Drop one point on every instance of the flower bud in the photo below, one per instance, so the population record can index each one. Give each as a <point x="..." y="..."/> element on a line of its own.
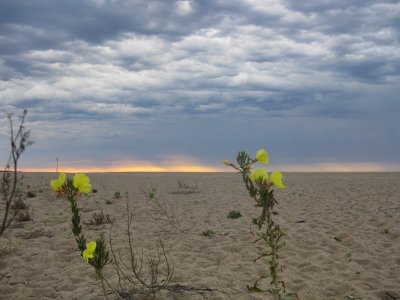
<point x="227" y="162"/>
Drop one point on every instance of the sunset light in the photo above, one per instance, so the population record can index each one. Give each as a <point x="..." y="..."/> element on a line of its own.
<point x="145" y="166"/>
<point x="128" y="166"/>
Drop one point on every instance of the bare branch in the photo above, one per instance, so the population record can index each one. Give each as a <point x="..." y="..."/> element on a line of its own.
<point x="19" y="142"/>
<point x="146" y="273"/>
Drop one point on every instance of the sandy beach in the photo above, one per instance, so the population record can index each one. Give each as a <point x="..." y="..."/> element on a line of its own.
<point x="343" y="236"/>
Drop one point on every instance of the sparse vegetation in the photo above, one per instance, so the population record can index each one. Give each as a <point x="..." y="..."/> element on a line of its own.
<point x="144" y="273"/>
<point x="9" y="178"/>
<point x="151" y="192"/>
<point x="30" y="194"/>
<point x="99" y="219"/>
<point x="234" y="214"/>
<point x="163" y="215"/>
<point x="337" y="238"/>
<point x="117" y="195"/>
<point x="208" y="233"/>
<point x="185" y="188"/>
<point x="24" y="216"/>
<point x="19" y="204"/>
<point x="150" y="272"/>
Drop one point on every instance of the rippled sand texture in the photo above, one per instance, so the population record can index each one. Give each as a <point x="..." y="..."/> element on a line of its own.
<point x="343" y="236"/>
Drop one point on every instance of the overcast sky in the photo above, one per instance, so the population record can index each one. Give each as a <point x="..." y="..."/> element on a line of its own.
<point x="168" y="85"/>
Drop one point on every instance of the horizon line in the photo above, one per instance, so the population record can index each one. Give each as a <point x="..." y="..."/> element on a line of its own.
<point x="201" y="168"/>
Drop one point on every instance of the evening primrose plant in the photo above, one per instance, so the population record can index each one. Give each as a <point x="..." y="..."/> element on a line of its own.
<point x="93" y="252"/>
<point x="71" y="189"/>
<point x="261" y="187"/>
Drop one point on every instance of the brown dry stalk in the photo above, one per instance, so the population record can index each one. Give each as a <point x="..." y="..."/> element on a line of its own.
<point x="19" y="142"/>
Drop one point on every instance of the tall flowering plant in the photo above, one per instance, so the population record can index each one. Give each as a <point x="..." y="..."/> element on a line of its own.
<point x="93" y="252"/>
<point x="71" y="189"/>
<point x="261" y="187"/>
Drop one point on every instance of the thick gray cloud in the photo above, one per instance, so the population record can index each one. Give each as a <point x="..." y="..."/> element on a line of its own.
<point x="314" y="82"/>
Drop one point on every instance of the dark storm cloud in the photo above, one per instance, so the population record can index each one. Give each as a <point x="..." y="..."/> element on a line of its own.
<point x="166" y="74"/>
<point x="41" y="25"/>
<point x="95" y="21"/>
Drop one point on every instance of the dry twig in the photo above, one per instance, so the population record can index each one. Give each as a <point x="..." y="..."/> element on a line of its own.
<point x="19" y="142"/>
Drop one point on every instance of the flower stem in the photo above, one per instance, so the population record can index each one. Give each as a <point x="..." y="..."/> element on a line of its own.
<point x="104" y="288"/>
<point x="102" y="279"/>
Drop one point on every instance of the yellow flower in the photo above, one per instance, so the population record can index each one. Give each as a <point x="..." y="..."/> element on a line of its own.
<point x="88" y="252"/>
<point x="227" y="162"/>
<point x="276" y="179"/>
<point x="82" y="183"/>
<point x="262" y="156"/>
<point x="259" y="174"/>
<point x="57" y="184"/>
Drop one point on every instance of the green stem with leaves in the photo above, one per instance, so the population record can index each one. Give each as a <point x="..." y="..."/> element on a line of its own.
<point x="71" y="194"/>
<point x="261" y="191"/>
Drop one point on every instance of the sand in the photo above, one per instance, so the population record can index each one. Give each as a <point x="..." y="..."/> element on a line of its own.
<point x="343" y="236"/>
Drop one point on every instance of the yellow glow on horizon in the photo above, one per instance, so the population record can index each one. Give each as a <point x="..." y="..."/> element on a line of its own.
<point x="175" y="166"/>
<point x="130" y="167"/>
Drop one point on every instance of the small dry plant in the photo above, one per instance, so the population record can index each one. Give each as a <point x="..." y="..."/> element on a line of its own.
<point x="261" y="188"/>
<point x="163" y="215"/>
<point x="150" y="192"/>
<point x="139" y="272"/>
<point x="19" y="204"/>
<point x="185" y="188"/>
<point x="99" y="219"/>
<point x="21" y="207"/>
<point x="24" y="216"/>
<point x="208" y="233"/>
<point x="9" y="178"/>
